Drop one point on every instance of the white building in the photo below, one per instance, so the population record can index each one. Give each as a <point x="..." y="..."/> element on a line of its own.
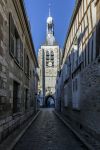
<point x="80" y="68"/>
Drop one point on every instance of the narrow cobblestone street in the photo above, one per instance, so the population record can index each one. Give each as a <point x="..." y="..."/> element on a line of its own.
<point x="48" y="133"/>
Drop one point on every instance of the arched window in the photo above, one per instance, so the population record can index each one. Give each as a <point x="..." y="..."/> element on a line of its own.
<point x="47" y="57"/>
<point x="47" y="53"/>
<point x="52" y="58"/>
<point x="52" y="55"/>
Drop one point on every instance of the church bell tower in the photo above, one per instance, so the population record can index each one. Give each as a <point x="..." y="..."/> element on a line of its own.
<point x="49" y="61"/>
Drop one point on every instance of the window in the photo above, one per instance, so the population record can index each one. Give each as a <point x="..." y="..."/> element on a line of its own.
<point x="85" y="57"/>
<point x="27" y="65"/>
<point x="17" y="46"/>
<point x="88" y="52"/>
<point x="47" y="58"/>
<point x="92" y="51"/>
<point x="11" y="34"/>
<point x="47" y="53"/>
<point x="52" y="58"/>
<point x="52" y="55"/>
<point x="21" y="54"/>
<point x="53" y="64"/>
<point x="2" y="83"/>
<point x="26" y="99"/>
<point x="25" y="61"/>
<point x="16" y="105"/>
<point x="98" y="40"/>
<point x="76" y="93"/>
<point x="47" y="63"/>
<point x="0" y="67"/>
<point x="15" y="43"/>
<point x="75" y="85"/>
<point x="65" y="96"/>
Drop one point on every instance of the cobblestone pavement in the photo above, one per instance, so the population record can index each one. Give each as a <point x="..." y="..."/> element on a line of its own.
<point x="48" y="133"/>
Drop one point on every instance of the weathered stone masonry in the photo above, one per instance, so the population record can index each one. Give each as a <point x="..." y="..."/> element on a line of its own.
<point x="18" y="63"/>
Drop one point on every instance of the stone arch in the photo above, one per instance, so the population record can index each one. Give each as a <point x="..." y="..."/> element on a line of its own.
<point x="49" y="103"/>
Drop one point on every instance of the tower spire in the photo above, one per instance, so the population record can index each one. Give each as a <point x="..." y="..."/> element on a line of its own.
<point x="49" y="10"/>
<point x="50" y="29"/>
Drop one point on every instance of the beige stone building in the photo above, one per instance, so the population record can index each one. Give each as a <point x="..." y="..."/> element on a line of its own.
<point x="18" y="65"/>
<point x="49" y="61"/>
<point x="80" y="70"/>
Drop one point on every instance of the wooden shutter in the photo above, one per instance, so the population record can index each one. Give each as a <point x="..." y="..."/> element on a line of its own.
<point x="11" y="34"/>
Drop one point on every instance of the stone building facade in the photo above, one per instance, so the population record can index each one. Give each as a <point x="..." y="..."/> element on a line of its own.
<point x="18" y="65"/>
<point x="49" y="61"/>
<point x="80" y="70"/>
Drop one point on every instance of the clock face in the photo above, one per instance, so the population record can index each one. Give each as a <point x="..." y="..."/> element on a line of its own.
<point x="50" y="64"/>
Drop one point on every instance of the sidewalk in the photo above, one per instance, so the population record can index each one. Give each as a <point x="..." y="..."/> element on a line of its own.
<point x="90" y="142"/>
<point x="12" y="139"/>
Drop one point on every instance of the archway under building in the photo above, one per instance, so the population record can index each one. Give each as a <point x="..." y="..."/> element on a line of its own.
<point x="49" y="101"/>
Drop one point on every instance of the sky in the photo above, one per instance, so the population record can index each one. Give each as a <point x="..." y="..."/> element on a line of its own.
<point x="38" y="11"/>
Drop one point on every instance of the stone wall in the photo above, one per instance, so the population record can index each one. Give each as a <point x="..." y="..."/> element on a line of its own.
<point x="5" y="106"/>
<point x="11" y="71"/>
<point x="10" y="123"/>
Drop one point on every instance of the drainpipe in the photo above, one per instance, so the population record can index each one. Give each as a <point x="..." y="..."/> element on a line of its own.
<point x="43" y="76"/>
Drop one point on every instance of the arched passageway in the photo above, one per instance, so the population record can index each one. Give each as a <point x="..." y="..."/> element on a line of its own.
<point x="50" y="101"/>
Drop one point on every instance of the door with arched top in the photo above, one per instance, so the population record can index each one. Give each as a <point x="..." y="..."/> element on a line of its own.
<point x="50" y="102"/>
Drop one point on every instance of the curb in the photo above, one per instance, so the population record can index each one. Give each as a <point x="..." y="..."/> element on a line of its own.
<point x="87" y="145"/>
<point x="15" y="141"/>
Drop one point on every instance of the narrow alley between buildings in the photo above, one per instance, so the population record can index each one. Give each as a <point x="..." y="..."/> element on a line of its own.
<point x="49" y="75"/>
<point x="49" y="133"/>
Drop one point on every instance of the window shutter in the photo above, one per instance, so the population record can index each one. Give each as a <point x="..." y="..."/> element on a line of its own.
<point x="11" y="34"/>
<point x="21" y="53"/>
